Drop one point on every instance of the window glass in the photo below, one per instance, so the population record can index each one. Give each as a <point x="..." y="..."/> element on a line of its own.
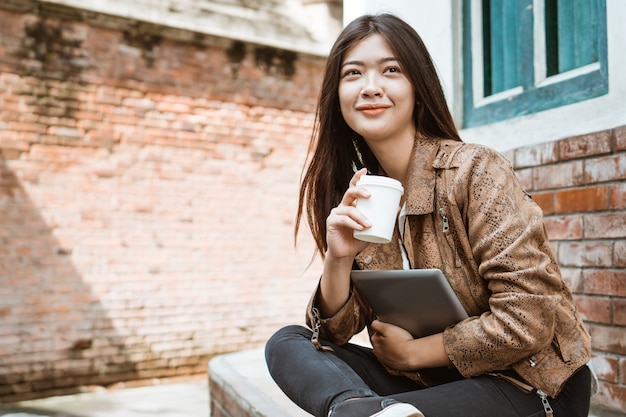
<point x="571" y="34"/>
<point x="501" y="51"/>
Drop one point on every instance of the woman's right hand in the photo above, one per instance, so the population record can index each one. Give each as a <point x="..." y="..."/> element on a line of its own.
<point x="344" y="220"/>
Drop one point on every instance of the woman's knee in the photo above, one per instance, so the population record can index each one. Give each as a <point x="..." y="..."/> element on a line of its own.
<point x="286" y="334"/>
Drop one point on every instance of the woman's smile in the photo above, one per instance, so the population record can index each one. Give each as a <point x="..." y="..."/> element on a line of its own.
<point x="373" y="109"/>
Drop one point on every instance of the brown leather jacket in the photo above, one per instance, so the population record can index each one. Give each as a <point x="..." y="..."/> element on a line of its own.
<point x="468" y="216"/>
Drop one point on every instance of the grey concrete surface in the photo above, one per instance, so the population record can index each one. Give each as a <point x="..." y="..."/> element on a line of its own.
<point x="186" y="399"/>
<point x="244" y="377"/>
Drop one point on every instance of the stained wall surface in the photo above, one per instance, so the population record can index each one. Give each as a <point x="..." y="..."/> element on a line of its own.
<point x="148" y="186"/>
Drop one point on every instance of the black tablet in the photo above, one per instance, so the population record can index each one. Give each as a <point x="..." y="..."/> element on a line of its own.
<point x="420" y="301"/>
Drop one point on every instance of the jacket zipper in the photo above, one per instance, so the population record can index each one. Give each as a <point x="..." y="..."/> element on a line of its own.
<point x="544" y="401"/>
<point x="315" y="336"/>
<point x="446" y="225"/>
<point x="317" y="323"/>
<point x="446" y="232"/>
<point x="547" y="408"/>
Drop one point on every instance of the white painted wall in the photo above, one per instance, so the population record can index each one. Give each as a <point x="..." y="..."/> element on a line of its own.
<point x="439" y="24"/>
<point x="307" y="27"/>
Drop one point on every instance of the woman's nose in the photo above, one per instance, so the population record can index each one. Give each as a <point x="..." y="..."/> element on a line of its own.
<point x="372" y="86"/>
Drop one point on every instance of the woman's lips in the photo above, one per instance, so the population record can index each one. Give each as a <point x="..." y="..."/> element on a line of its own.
<point x="372" y="110"/>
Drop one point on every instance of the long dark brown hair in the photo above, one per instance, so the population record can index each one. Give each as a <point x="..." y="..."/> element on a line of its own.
<point x="333" y="147"/>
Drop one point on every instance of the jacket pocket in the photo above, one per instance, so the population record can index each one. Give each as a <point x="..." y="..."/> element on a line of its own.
<point x="571" y="343"/>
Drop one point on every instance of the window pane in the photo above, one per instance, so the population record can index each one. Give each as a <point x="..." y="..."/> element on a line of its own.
<point x="572" y="32"/>
<point x="501" y="50"/>
<point x="552" y="37"/>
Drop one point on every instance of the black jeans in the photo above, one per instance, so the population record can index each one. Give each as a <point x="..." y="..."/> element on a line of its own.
<point x="316" y="380"/>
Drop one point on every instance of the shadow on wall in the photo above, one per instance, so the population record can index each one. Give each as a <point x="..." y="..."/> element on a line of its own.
<point x="54" y="333"/>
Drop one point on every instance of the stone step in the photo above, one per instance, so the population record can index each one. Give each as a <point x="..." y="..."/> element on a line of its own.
<point x="241" y="386"/>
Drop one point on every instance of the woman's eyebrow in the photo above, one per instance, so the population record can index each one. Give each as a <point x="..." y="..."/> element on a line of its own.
<point x="361" y="63"/>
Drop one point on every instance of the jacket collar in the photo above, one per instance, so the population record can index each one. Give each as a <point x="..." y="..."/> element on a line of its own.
<point x="427" y="156"/>
<point x="420" y="192"/>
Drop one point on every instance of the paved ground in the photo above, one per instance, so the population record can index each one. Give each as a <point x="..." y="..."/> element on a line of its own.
<point x="187" y="399"/>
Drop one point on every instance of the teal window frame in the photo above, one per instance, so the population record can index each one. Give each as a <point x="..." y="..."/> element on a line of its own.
<point x="542" y="68"/>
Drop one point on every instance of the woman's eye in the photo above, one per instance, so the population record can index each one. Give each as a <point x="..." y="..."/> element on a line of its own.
<point x="351" y="73"/>
<point x="392" y="69"/>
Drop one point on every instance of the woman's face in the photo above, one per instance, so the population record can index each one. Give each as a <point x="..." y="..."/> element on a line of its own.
<point x="375" y="97"/>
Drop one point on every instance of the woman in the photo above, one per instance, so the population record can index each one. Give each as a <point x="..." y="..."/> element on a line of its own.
<point x="522" y="351"/>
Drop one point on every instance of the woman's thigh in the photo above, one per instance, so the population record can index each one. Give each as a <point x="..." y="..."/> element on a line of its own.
<point x="488" y="396"/>
<point x="290" y="348"/>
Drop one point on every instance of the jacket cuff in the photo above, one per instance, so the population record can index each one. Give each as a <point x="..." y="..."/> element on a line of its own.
<point x="339" y="328"/>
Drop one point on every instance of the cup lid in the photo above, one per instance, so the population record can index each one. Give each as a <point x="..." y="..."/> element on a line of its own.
<point x="380" y="180"/>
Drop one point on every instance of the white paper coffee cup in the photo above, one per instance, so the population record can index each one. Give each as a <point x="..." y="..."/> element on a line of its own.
<point x="381" y="208"/>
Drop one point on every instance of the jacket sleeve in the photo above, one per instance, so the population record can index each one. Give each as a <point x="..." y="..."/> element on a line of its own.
<point x="348" y="321"/>
<point x="503" y="234"/>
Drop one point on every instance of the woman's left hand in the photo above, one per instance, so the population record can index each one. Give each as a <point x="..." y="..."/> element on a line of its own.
<point x="397" y="349"/>
<point x="392" y="345"/>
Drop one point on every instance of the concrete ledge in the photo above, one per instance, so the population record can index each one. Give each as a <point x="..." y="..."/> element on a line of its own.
<point x="241" y="386"/>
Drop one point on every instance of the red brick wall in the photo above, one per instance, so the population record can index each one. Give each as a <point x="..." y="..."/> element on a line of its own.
<point x="580" y="184"/>
<point x="148" y="185"/>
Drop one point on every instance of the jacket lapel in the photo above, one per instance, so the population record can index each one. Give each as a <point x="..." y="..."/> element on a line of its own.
<point x="420" y="193"/>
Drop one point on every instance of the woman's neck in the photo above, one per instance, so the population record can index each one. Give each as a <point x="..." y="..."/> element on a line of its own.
<point x="394" y="156"/>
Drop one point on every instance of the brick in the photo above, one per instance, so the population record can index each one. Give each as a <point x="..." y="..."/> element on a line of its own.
<point x="26" y="127"/>
<point x="140" y="104"/>
<point x="606" y="367"/>
<point x="84" y="114"/>
<point x="545" y="201"/>
<point x="63" y="141"/>
<point x="9" y="137"/>
<point x="582" y="199"/>
<point x="123" y="119"/>
<point x="608" y="168"/>
<point x="605" y="282"/>
<point x="573" y="278"/>
<point x="536" y="155"/>
<point x="173" y="107"/>
<point x="584" y="146"/>
<point x="611" y="397"/>
<point x="564" y="227"/>
<point x="619" y="311"/>
<point x="594" y="309"/>
<point x="64" y="131"/>
<point x="605" y="226"/>
<point x="525" y="177"/>
<point x="567" y="174"/>
<point x="108" y="95"/>
<point x="619" y="253"/>
<point x="618" y="196"/>
<point x="585" y="253"/>
<point x="608" y="339"/>
<point x="15" y="144"/>
<point x="620" y="138"/>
